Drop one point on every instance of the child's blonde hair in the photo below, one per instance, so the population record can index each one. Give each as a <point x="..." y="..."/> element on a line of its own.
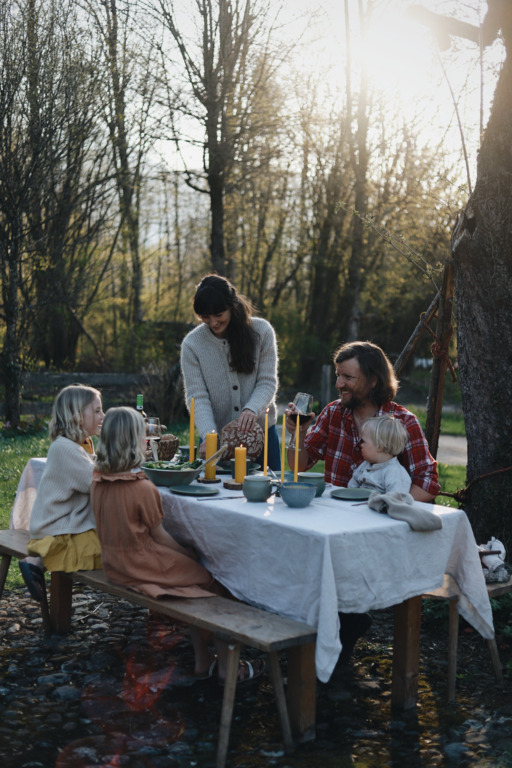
<point x="68" y="412"/>
<point x="120" y="447"/>
<point x="387" y="434"/>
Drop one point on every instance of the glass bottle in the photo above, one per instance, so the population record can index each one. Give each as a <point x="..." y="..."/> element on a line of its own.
<point x="140" y="405"/>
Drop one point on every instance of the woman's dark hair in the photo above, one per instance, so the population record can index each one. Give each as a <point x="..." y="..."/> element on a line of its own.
<point x="215" y="294"/>
<point x="373" y="363"/>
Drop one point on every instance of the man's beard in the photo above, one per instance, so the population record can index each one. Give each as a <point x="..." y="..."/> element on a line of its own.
<point x="353" y="402"/>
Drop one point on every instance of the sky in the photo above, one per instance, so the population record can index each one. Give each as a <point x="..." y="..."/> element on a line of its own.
<point x="404" y="62"/>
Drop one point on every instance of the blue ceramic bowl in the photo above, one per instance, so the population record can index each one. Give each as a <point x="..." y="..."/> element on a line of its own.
<point x="317" y="478"/>
<point x="297" y="494"/>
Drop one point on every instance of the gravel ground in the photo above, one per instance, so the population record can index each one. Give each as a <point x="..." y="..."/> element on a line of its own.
<point x="117" y="692"/>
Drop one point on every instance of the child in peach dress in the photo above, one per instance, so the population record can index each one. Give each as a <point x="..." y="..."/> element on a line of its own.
<point x="136" y="550"/>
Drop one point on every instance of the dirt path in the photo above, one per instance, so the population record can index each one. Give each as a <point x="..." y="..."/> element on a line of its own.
<point x="452" y="450"/>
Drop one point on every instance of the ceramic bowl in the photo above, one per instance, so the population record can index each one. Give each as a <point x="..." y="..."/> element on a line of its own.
<point x="184" y="452"/>
<point x="257" y="487"/>
<point x="317" y="478"/>
<point x="297" y="494"/>
<point x="171" y="477"/>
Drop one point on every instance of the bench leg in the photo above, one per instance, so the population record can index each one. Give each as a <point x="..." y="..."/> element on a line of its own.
<point x="495" y="658"/>
<point x="45" y="613"/>
<point x="406" y="654"/>
<point x="301" y="693"/>
<point x="61" y="587"/>
<point x="277" y="682"/>
<point x="4" y="570"/>
<point x="228" y="700"/>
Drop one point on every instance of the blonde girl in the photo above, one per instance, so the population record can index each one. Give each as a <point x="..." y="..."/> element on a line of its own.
<point x="137" y="551"/>
<point x="62" y="526"/>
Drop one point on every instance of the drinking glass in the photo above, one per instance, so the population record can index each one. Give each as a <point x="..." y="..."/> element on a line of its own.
<point x="153" y="428"/>
<point x="304" y="404"/>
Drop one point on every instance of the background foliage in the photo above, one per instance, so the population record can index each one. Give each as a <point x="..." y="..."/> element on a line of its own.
<point x="330" y="204"/>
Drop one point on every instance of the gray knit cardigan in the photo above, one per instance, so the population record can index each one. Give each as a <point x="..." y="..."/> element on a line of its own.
<point x="221" y="394"/>
<point x="63" y="501"/>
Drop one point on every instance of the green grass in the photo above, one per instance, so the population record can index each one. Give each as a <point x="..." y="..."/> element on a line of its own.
<point x="452" y="423"/>
<point x="451" y="479"/>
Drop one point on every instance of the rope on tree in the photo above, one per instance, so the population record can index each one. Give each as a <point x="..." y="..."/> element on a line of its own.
<point x="439" y="349"/>
<point x="461" y="494"/>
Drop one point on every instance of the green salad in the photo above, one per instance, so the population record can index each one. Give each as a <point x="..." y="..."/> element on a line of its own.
<point x="173" y="464"/>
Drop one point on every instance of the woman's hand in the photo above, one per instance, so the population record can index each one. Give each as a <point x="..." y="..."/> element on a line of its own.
<point x="247" y="421"/>
<point x="202" y="450"/>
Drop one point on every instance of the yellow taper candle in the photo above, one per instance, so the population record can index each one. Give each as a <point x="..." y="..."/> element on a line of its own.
<point x="283" y="440"/>
<point x="240" y="463"/>
<point x="296" y="467"/>
<point x="191" y="456"/>
<point x="211" y="447"/>
<point x="265" y="445"/>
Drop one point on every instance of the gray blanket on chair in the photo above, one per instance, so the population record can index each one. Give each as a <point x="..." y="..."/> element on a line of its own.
<point x="401" y="506"/>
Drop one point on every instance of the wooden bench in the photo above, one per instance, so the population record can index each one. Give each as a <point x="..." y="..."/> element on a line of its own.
<point x="495" y="589"/>
<point x="236" y="623"/>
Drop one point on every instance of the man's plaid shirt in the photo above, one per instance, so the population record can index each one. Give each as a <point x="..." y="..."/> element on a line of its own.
<point x="334" y="438"/>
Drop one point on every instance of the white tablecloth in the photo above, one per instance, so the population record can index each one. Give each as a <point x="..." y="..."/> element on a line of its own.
<point x="26" y="494"/>
<point x="310" y="563"/>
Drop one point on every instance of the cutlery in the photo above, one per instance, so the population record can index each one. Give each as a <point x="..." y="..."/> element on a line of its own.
<point x="219" y="498"/>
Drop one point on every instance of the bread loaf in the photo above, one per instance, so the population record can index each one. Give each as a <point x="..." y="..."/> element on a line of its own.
<point x="233" y="438"/>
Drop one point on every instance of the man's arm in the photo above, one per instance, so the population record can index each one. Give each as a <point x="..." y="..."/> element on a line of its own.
<point x="419" y="494"/>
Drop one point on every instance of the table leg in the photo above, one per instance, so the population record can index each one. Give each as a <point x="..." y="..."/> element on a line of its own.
<point x="60" y="602"/>
<point x="301" y="691"/>
<point x="406" y="654"/>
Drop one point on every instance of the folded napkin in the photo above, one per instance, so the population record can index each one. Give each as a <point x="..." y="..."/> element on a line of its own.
<point x="494" y="566"/>
<point x="401" y="506"/>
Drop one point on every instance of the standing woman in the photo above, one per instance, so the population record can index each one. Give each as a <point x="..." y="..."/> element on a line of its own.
<point x="229" y="365"/>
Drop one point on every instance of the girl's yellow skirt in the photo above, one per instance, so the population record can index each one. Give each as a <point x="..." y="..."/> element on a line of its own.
<point x="68" y="552"/>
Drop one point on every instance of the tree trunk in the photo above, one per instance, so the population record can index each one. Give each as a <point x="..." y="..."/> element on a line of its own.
<point x="10" y="352"/>
<point x="482" y="252"/>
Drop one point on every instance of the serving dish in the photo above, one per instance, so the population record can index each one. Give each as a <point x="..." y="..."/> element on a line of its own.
<point x="171" y="477"/>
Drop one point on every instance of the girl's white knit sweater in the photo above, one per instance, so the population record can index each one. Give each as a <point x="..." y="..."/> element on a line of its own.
<point x="63" y="501"/>
<point x="221" y="394"/>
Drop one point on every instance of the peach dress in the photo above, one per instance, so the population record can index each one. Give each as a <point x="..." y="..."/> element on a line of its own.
<point x="127" y="506"/>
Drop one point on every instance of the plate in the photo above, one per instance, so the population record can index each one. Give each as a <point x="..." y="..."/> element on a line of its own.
<point x="193" y="490"/>
<point x="224" y="467"/>
<point x="351" y="494"/>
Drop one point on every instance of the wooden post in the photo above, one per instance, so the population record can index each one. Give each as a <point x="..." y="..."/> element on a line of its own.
<point x="325" y="395"/>
<point x="440" y="362"/>
<point x="418" y="331"/>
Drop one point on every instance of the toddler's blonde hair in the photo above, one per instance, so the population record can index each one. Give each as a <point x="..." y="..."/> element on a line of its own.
<point x="120" y="447"/>
<point x="68" y="412"/>
<point x="387" y="434"/>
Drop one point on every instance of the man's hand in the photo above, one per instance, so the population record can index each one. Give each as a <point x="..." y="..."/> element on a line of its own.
<point x="291" y="420"/>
